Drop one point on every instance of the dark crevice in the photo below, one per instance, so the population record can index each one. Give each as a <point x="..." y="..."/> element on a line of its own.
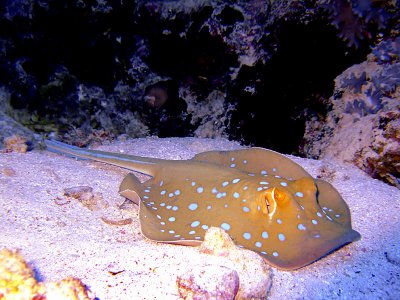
<point x="274" y="98"/>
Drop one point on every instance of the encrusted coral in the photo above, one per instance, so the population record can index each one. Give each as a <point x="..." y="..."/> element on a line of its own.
<point x="363" y="126"/>
<point x="17" y="282"/>
<point x="387" y="51"/>
<point x="15" y="143"/>
<point x="210" y="125"/>
<point x="356" y="19"/>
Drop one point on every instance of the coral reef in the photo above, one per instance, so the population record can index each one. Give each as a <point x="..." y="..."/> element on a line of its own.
<point x="256" y="71"/>
<point x="17" y="281"/>
<point x="178" y="68"/>
<point x="15" y="143"/>
<point x="358" y="19"/>
<point x="363" y="126"/>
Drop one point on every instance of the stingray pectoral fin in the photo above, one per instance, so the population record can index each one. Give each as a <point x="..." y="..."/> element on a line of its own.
<point x="192" y="243"/>
<point x="277" y="164"/>
<point x="314" y="252"/>
<point x="131" y="188"/>
<point x="329" y="197"/>
<point x="309" y="248"/>
<point x="255" y="160"/>
<point x="151" y="229"/>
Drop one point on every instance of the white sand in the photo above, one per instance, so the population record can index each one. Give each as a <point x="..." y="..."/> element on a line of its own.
<point x="60" y="237"/>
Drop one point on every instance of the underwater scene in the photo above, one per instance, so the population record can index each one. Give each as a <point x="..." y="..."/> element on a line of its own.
<point x="202" y="149"/>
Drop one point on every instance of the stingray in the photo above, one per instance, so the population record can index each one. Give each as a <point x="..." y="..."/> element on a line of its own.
<point x="265" y="202"/>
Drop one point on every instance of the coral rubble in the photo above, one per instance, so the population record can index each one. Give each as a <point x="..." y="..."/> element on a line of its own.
<point x="208" y="282"/>
<point x="15" y="143"/>
<point x="17" y="281"/>
<point x="255" y="276"/>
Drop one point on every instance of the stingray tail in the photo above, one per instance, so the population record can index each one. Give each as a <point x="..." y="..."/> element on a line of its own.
<point x="135" y="163"/>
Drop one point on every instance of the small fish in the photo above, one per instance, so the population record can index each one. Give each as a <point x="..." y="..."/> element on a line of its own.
<point x="266" y="202"/>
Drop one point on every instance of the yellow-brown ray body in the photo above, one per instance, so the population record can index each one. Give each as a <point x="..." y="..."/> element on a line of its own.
<point x="262" y="199"/>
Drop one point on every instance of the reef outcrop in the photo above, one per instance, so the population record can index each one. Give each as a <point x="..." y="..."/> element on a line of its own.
<point x="260" y="72"/>
<point x="363" y="126"/>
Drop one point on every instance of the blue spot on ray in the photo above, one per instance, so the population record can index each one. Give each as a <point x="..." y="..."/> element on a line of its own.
<point x="247" y="235"/>
<point x="195" y="224"/>
<point x="225" y="226"/>
<point x="301" y="227"/>
<point x="193" y="206"/>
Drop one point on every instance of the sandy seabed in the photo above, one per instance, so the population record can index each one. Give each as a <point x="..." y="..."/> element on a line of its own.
<point x="61" y="237"/>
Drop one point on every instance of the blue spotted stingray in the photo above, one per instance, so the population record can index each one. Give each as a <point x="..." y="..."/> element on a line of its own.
<point x="266" y="202"/>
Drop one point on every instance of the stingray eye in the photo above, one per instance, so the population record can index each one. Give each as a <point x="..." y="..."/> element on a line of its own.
<point x="270" y="202"/>
<point x="273" y="198"/>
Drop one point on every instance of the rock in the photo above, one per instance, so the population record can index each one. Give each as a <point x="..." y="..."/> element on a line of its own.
<point x="17" y="281"/>
<point x="84" y="194"/>
<point x="208" y="282"/>
<point x="363" y="126"/>
<point x="8" y="126"/>
<point x="15" y="143"/>
<point x="217" y="242"/>
<point x="255" y="275"/>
